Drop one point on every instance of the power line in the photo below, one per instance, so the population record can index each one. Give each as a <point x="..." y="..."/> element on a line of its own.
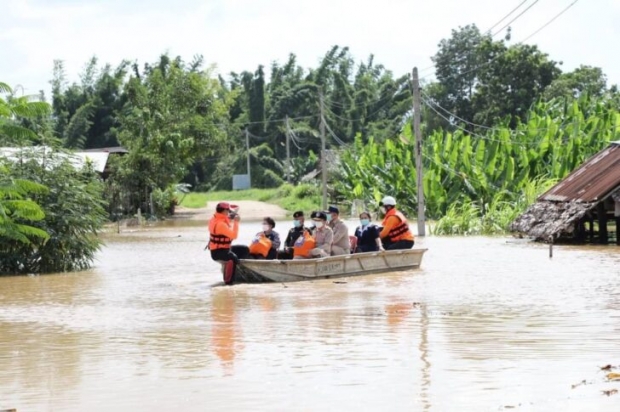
<point x="511" y="21"/>
<point x="516" y="44"/>
<point x="506" y="16"/>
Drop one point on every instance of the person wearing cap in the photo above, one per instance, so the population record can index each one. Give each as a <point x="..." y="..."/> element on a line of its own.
<point x="323" y="235"/>
<point x="294" y="233"/>
<point x="222" y="231"/>
<point x="341" y="243"/>
<point x="396" y="233"/>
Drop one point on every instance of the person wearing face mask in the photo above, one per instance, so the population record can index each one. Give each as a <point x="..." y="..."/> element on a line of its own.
<point x="266" y="243"/>
<point x="294" y="233"/>
<point x="367" y="235"/>
<point x="341" y="244"/>
<point x="396" y="233"/>
<point x="323" y="236"/>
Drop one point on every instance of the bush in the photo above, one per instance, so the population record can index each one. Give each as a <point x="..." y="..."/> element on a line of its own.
<point x="306" y="190"/>
<point x="74" y="213"/>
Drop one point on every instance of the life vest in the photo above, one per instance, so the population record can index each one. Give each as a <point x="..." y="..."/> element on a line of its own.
<point x="400" y="231"/>
<point x="261" y="245"/>
<point x="304" y="244"/>
<point x="218" y="241"/>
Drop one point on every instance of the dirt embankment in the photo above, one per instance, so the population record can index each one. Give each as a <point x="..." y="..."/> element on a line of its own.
<point x="248" y="210"/>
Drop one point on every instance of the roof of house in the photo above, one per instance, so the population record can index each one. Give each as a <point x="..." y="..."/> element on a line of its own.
<point x="77" y="159"/>
<point x="115" y="149"/>
<point x="593" y="181"/>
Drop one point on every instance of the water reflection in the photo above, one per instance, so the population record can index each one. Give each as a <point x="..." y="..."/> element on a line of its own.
<point x="493" y="324"/>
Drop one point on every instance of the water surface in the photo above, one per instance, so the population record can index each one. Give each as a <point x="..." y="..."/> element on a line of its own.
<point x="487" y="324"/>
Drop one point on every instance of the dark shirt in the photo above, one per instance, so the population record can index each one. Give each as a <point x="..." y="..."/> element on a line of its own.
<point x="367" y="238"/>
<point x="293" y="234"/>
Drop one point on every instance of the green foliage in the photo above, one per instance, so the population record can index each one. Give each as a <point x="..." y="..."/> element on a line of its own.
<point x="489" y="174"/>
<point x="74" y="213"/>
<point x="164" y="201"/>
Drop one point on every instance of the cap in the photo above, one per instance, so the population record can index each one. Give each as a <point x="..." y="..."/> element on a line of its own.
<point x="318" y="215"/>
<point x="333" y="209"/>
<point x="299" y="213"/>
<point x="226" y="205"/>
<point x="388" y="201"/>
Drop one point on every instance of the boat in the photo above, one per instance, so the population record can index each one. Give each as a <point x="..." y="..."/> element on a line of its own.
<point x="357" y="264"/>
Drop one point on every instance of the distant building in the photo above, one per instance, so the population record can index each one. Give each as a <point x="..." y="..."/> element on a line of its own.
<point x="579" y="207"/>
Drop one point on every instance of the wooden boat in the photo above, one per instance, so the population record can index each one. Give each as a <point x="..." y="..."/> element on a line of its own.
<point x="259" y="271"/>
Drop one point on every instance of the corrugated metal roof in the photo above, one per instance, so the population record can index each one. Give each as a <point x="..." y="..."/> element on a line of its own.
<point x="77" y="159"/>
<point x="592" y="181"/>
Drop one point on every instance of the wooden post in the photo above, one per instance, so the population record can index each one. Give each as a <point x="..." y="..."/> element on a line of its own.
<point x="418" y="152"/>
<point x="323" y="150"/>
<point x="603" y="235"/>
<point x="247" y="147"/>
<point x="288" y="152"/>
<point x="618" y="230"/>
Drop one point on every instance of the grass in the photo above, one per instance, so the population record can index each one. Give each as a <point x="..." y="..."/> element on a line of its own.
<point x="288" y="197"/>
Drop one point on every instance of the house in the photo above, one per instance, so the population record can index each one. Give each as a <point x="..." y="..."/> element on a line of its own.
<point x="579" y="207"/>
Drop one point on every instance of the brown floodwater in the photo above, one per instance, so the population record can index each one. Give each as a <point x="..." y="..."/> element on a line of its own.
<point x="486" y="324"/>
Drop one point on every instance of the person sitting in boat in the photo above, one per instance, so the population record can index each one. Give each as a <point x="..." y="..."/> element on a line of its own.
<point x="341" y="244"/>
<point x="367" y="235"/>
<point x="323" y="237"/>
<point x="266" y="243"/>
<point x="294" y="233"/>
<point x="222" y="231"/>
<point x="396" y="233"/>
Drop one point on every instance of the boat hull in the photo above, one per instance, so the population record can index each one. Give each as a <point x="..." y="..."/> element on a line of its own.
<point x="358" y="264"/>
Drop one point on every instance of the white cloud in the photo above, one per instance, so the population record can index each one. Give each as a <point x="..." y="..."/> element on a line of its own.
<point x="240" y="34"/>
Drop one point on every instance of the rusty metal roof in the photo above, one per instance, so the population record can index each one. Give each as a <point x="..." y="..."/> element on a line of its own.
<point x="592" y="181"/>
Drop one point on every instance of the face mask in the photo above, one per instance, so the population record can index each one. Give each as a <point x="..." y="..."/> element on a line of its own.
<point x="319" y="224"/>
<point x="329" y="218"/>
<point x="266" y="228"/>
<point x="364" y="222"/>
<point x="296" y="223"/>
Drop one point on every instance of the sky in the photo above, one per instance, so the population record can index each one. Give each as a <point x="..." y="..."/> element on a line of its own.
<point x="237" y="35"/>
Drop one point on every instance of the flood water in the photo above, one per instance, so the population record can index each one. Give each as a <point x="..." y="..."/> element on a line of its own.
<point x="486" y="324"/>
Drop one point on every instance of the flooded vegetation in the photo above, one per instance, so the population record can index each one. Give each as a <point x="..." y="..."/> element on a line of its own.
<point x="486" y="324"/>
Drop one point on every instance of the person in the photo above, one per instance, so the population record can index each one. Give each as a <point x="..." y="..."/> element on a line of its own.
<point x="222" y="231"/>
<point x="266" y="243"/>
<point x="367" y="235"/>
<point x="293" y="235"/>
<point x="396" y="233"/>
<point x="341" y="244"/>
<point x="323" y="237"/>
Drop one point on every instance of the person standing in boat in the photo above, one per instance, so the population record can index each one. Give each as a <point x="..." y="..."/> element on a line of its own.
<point x="222" y="231"/>
<point x="323" y="236"/>
<point x="367" y="235"/>
<point x="341" y="243"/>
<point x="396" y="233"/>
<point x="266" y="243"/>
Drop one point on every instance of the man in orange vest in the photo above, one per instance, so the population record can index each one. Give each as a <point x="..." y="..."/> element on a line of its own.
<point x="396" y="233"/>
<point x="222" y="232"/>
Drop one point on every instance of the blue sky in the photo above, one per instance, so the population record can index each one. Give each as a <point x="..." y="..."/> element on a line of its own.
<point x="238" y="35"/>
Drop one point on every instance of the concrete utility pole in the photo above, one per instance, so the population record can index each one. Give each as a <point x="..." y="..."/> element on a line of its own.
<point x="247" y="146"/>
<point x="288" y="152"/>
<point x="323" y="150"/>
<point x="418" y="151"/>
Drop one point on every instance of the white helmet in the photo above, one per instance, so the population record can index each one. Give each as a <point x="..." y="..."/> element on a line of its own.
<point x="388" y="201"/>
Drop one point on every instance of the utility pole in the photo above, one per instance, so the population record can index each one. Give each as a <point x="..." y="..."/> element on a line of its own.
<point x="323" y="150"/>
<point x="247" y="146"/>
<point x="288" y="152"/>
<point x="418" y="152"/>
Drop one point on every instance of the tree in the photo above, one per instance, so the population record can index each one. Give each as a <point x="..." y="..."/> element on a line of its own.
<point x="584" y="79"/>
<point x="171" y="118"/>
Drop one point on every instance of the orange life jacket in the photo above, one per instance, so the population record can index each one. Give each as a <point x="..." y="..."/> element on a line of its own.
<point x="304" y="244"/>
<point x="400" y="231"/>
<point x="218" y="241"/>
<point x="261" y="245"/>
